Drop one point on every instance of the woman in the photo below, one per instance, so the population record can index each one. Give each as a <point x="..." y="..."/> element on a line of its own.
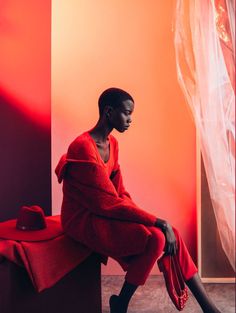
<point x="98" y="212"/>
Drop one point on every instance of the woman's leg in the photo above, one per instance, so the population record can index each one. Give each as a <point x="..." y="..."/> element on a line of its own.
<point x="119" y="304"/>
<point x="192" y="278"/>
<point x="139" y="267"/>
<point x="199" y="292"/>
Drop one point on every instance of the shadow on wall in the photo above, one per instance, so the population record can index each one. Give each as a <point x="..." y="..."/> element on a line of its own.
<point x="25" y="161"/>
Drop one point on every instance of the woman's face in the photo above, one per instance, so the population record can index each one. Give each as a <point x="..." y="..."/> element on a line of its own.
<point x="121" y="116"/>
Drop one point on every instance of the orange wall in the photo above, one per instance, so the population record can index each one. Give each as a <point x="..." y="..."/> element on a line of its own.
<point x="128" y="44"/>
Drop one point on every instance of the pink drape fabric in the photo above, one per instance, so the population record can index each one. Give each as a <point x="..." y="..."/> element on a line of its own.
<point x="204" y="33"/>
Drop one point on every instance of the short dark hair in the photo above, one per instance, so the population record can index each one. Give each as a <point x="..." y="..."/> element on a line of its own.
<point x="113" y="97"/>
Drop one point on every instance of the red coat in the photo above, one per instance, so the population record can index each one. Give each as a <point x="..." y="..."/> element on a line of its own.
<point x="97" y="210"/>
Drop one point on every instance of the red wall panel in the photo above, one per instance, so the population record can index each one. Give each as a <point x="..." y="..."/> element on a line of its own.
<point x="25" y="99"/>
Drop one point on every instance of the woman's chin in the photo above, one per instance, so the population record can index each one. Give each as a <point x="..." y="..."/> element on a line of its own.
<point x="121" y="130"/>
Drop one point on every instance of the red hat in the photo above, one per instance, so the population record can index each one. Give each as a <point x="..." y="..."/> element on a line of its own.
<point x="31" y="225"/>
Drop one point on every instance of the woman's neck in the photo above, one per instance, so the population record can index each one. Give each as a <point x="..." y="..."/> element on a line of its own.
<point x="100" y="131"/>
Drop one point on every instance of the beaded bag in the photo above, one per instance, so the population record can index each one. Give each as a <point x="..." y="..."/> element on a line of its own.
<point x="174" y="280"/>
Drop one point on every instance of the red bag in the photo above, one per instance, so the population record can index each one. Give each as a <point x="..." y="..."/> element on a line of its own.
<point x="174" y="280"/>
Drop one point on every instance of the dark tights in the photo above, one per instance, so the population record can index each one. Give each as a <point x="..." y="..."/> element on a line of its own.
<point x="199" y="292"/>
<point x="119" y="304"/>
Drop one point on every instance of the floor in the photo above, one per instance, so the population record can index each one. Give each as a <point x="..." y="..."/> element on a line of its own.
<point x="153" y="298"/>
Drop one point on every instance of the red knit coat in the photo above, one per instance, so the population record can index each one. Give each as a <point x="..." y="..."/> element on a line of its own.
<point x="96" y="209"/>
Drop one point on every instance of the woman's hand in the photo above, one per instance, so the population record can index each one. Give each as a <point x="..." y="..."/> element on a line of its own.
<point x="171" y="243"/>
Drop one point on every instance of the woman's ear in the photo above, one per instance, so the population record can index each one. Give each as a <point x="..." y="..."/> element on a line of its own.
<point x="108" y="110"/>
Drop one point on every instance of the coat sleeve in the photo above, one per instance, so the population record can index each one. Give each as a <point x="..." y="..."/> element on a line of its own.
<point x="101" y="195"/>
<point x="117" y="180"/>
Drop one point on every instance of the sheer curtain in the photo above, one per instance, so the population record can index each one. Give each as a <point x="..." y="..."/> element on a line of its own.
<point x="205" y="54"/>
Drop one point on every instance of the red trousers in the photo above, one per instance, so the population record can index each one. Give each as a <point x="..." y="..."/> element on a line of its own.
<point x="139" y="266"/>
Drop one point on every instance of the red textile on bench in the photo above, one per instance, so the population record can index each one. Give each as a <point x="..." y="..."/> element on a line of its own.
<point x="45" y="261"/>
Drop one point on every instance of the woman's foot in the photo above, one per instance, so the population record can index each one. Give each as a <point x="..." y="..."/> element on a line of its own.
<point x="214" y="310"/>
<point x="116" y="305"/>
<point x="119" y="304"/>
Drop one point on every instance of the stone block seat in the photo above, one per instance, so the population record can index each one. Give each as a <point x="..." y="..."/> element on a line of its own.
<point x="57" y="276"/>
